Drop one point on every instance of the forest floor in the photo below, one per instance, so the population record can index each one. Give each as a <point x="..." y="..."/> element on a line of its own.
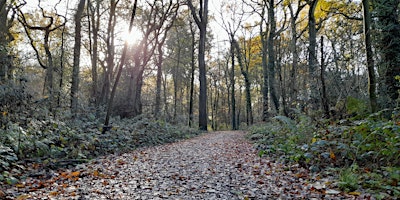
<point x="216" y="165"/>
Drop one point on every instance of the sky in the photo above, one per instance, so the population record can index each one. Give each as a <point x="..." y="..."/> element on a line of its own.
<point x="220" y="35"/>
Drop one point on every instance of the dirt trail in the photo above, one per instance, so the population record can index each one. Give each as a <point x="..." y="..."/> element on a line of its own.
<point x="217" y="165"/>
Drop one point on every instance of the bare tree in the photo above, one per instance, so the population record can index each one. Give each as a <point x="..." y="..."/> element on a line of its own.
<point x="94" y="25"/>
<point x="119" y="72"/>
<point x="201" y="20"/>
<point x="110" y="55"/>
<point x="294" y="15"/>
<point x="77" y="54"/>
<point x="49" y="27"/>
<point x="231" y="22"/>
<point x="155" y="23"/>
<point x="161" y="37"/>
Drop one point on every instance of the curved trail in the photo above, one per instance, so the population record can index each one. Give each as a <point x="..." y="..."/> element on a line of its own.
<point x="217" y="165"/>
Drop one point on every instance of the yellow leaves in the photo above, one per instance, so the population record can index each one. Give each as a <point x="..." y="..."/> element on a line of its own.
<point x="76" y="174"/>
<point x="313" y="140"/>
<point x="355" y="193"/>
<point x="96" y="173"/>
<point x="71" y="175"/>
<point x="286" y="2"/>
<point x="332" y="155"/>
<point x="4" y="113"/>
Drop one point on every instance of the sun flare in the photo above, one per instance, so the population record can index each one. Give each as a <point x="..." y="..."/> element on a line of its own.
<point x="132" y="37"/>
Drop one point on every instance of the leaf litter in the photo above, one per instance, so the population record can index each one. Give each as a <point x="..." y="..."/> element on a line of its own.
<point x="217" y="165"/>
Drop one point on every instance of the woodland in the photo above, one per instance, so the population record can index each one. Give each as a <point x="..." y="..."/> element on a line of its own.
<point x="314" y="83"/>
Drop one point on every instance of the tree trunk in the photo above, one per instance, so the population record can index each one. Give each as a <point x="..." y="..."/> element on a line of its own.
<point x="233" y="104"/>
<point x="325" y="103"/>
<point x="312" y="56"/>
<point x="77" y="53"/>
<point x="48" y="84"/>
<point x="157" y="108"/>
<point x="47" y="63"/>
<point x="293" y="88"/>
<point x="282" y="81"/>
<point x="265" y="88"/>
<point x="121" y="64"/>
<point x="62" y="66"/>
<point x="247" y="84"/>
<point x="108" y="73"/>
<point x="370" y="59"/>
<point x="201" y="22"/>
<point x="95" y="24"/>
<point x="387" y="12"/>
<point x="271" y="54"/>
<point x="5" y="39"/>
<point x="192" y="69"/>
<point x="176" y="80"/>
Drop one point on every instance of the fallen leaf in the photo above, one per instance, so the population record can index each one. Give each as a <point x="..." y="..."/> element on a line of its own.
<point x="23" y="197"/>
<point x="64" y="174"/>
<point x="2" y="194"/>
<point x="330" y="191"/>
<point x="332" y="155"/>
<point x="318" y="186"/>
<point x="76" y="174"/>
<point x="53" y="193"/>
<point x="355" y="193"/>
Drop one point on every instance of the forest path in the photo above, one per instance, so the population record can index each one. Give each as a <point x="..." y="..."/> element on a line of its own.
<point x="216" y="165"/>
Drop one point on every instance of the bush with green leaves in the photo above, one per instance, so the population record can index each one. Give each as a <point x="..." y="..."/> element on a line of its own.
<point x="53" y="139"/>
<point x="372" y="143"/>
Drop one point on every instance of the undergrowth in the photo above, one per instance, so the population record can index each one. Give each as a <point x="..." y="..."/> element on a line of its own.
<point x="54" y="142"/>
<point x="363" y="153"/>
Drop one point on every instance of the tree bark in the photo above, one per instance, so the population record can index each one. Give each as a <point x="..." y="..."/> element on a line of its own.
<point x="77" y="53"/>
<point x="264" y="51"/>
<point x="271" y="54"/>
<point x="389" y="46"/>
<point x="325" y="103"/>
<point x="370" y="59"/>
<point x="201" y="22"/>
<point x="232" y="77"/>
<point x="192" y="69"/>
<point x="157" y="107"/>
<point x="95" y="24"/>
<point x="312" y="56"/>
<point x="5" y="39"/>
